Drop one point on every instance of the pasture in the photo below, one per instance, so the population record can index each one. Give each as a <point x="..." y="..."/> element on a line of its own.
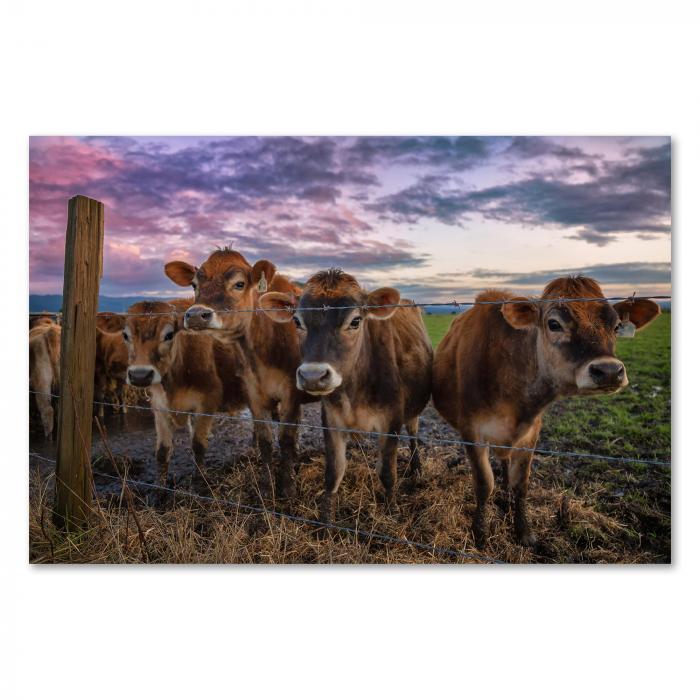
<point x="583" y="510"/>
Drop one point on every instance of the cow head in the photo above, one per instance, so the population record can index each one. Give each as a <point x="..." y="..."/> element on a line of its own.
<point x="330" y="339"/>
<point x="576" y="340"/>
<point x="224" y="282"/>
<point x="149" y="332"/>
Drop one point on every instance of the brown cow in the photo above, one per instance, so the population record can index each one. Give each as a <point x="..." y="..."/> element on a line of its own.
<point x="44" y="369"/>
<point x="502" y="364"/>
<point x="226" y="281"/>
<point x="111" y="359"/>
<point x="183" y="371"/>
<point x="371" y="366"/>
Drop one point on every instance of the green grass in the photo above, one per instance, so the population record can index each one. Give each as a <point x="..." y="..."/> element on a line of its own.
<point x="437" y="325"/>
<point x="636" y="423"/>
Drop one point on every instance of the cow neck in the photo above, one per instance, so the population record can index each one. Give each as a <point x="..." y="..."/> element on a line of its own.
<point x="272" y="344"/>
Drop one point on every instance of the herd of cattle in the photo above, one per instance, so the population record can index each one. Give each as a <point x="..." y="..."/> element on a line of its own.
<point x="250" y="338"/>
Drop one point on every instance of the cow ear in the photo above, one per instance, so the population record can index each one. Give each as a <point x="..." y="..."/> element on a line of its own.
<point x="278" y="306"/>
<point x="385" y="301"/>
<point x="181" y="273"/>
<point x="521" y="315"/>
<point x="641" y="312"/>
<point x="262" y="274"/>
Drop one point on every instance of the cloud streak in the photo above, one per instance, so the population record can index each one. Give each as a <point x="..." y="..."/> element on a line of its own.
<point x="631" y="196"/>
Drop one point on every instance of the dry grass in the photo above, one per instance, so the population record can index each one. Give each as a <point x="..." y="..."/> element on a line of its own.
<point x="434" y="511"/>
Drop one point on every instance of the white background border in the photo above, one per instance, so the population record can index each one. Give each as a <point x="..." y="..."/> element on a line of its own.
<point x="342" y="67"/>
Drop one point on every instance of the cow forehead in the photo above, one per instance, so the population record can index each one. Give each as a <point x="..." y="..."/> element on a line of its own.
<point x="221" y="261"/>
<point x="146" y="319"/>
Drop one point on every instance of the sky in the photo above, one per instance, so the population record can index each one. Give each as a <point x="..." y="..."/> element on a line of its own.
<point x="438" y="217"/>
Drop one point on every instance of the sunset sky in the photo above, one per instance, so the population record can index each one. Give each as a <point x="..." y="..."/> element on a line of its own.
<point x="438" y="217"/>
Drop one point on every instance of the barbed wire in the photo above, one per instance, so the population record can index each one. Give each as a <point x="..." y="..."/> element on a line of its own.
<point x="410" y="304"/>
<point x="374" y="433"/>
<point x="357" y="532"/>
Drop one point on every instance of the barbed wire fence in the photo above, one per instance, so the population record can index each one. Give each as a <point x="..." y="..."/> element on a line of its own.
<point x="406" y="303"/>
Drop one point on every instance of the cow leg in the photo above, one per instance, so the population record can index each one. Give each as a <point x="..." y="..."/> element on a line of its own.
<point x="46" y="412"/>
<point x="164" y="444"/>
<point x="263" y="435"/>
<point x="387" y="473"/>
<point x="482" y="478"/>
<point x="519" y="478"/>
<point x="291" y="412"/>
<point x="415" y="466"/>
<point x="505" y="469"/>
<point x="336" y="463"/>
<point x="200" y="439"/>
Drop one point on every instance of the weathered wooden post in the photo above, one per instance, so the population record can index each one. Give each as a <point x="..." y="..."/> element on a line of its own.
<point x="81" y="283"/>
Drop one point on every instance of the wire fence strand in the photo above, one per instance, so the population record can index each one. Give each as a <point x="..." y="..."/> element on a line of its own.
<point x="428" y="304"/>
<point x="374" y="433"/>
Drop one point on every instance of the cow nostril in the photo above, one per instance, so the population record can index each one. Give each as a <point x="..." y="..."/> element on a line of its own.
<point x="206" y="315"/>
<point x="596" y="372"/>
<point x="607" y="373"/>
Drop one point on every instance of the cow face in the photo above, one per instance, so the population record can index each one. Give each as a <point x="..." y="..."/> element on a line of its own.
<point x="330" y="339"/>
<point x="576" y="340"/>
<point x="225" y="282"/>
<point x="149" y="341"/>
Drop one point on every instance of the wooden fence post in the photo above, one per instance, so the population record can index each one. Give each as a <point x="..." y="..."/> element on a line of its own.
<point x="81" y="282"/>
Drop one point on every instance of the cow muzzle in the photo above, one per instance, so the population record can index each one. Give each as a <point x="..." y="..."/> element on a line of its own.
<point x="142" y="375"/>
<point x="199" y="318"/>
<point x="604" y="374"/>
<point x="318" y="378"/>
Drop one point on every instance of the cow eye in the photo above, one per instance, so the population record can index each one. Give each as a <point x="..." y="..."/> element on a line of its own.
<point x="554" y="325"/>
<point x="125" y="335"/>
<point x="239" y="285"/>
<point x="168" y="336"/>
<point x="355" y="323"/>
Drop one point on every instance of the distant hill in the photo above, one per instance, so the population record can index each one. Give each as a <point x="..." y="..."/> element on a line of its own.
<point x="52" y="302"/>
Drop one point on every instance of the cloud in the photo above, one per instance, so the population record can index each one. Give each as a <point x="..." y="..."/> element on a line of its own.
<point x="445" y="152"/>
<point x="631" y="195"/>
<point x="160" y="199"/>
<point x="632" y="273"/>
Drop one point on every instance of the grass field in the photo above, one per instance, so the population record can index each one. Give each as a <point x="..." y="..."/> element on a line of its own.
<point x="583" y="510"/>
